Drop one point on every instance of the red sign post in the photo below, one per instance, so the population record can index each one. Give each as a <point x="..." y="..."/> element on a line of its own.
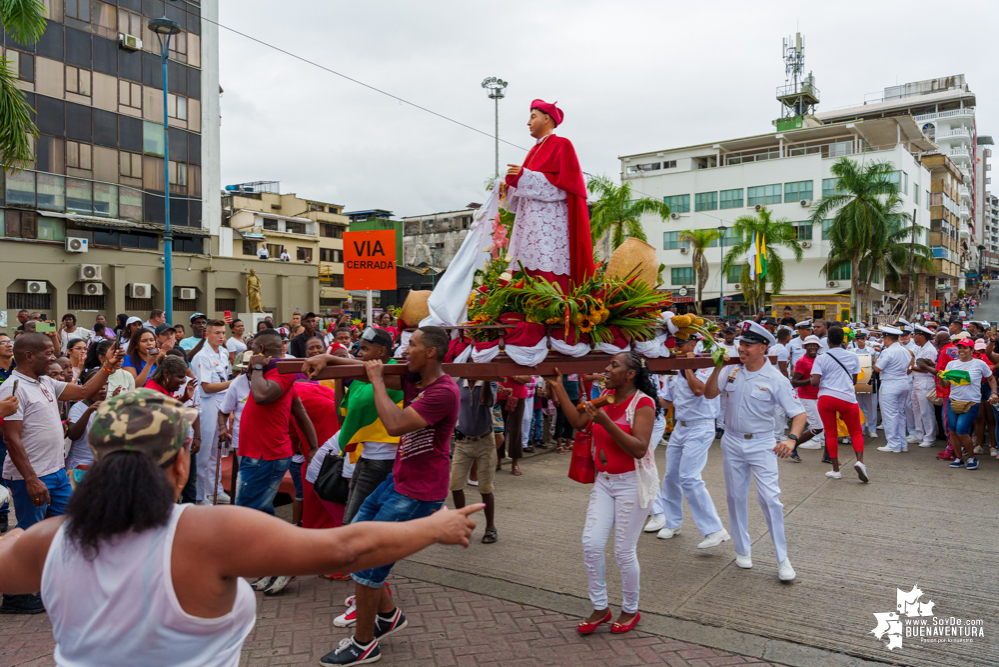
<point x="369" y="260"/>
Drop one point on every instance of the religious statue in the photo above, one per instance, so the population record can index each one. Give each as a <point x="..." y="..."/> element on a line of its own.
<point x="551" y="232"/>
<point x="253" y="292"/>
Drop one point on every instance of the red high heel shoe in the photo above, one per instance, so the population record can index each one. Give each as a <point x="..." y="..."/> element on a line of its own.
<point x="585" y="628"/>
<point x="618" y="629"/>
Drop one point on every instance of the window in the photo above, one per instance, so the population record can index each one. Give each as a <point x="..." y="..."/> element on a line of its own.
<point x="734" y="274"/>
<point x="731" y="198"/>
<point x="706" y="201"/>
<point x="895" y="179"/>
<point x="130" y="164"/>
<point x="804" y="231"/>
<point x="798" y="191"/>
<point x="304" y="254"/>
<point x="130" y="95"/>
<point x="729" y="238"/>
<point x="249" y="248"/>
<point x="294" y="227"/>
<point x="20" y="224"/>
<point x="85" y="301"/>
<point x="152" y="138"/>
<point x="330" y="255"/>
<point x="678" y="203"/>
<point x="105" y="19"/>
<point x="78" y="9"/>
<point x="669" y="164"/>
<point x="336" y="280"/>
<point x="178" y="47"/>
<point x="317" y="207"/>
<point x="915" y="196"/>
<point x="826" y="229"/>
<point x="77" y="81"/>
<point x="192" y="244"/>
<point x="178" y="173"/>
<point x="764" y="194"/>
<point x="39" y="302"/>
<point x="830" y="187"/>
<point x="51" y="229"/>
<point x="927" y="200"/>
<point x="222" y="305"/>
<point x="106" y="199"/>
<point x="271" y="224"/>
<point x="331" y="231"/>
<point x="682" y="276"/>
<point x="129" y="23"/>
<point x="79" y="156"/>
<point x="905" y="183"/>
<point x="21" y="188"/>
<point x="176" y="106"/>
<point x="841" y="273"/>
<point x="274" y="250"/>
<point x="671" y="241"/>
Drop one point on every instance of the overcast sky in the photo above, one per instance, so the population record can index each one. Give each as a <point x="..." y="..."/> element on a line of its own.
<point x="630" y="75"/>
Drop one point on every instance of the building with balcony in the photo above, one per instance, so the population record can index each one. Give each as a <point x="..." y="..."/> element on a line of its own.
<point x="950" y="250"/>
<point x="710" y="185"/>
<point x="81" y="228"/>
<point x="433" y="239"/>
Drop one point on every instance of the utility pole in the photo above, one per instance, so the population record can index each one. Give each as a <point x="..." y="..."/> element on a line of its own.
<point x="913" y="278"/>
<point x="495" y="87"/>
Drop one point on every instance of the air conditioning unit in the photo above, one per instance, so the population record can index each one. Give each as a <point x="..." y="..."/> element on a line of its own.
<point x="76" y="244"/>
<point x="806" y="244"/>
<point x="129" y="42"/>
<point x="93" y="289"/>
<point x="140" y="291"/>
<point x="805" y="203"/>
<point x="832" y="283"/>
<point x="188" y="293"/>
<point x="37" y="287"/>
<point x="674" y="216"/>
<point x="90" y="272"/>
<point x="737" y="286"/>
<point x="758" y="207"/>
<point x="684" y="251"/>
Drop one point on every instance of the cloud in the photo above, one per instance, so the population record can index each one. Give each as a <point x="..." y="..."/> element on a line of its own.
<point x="631" y="76"/>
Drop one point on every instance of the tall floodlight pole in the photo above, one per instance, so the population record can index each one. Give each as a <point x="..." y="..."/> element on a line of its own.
<point x="495" y="87"/>
<point x="721" y="273"/>
<point x="164" y="29"/>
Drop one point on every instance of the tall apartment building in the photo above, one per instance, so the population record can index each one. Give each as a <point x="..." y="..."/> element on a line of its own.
<point x="304" y="231"/>
<point x="944" y="108"/>
<point x="82" y="225"/>
<point x="990" y="217"/>
<point x="433" y="239"/>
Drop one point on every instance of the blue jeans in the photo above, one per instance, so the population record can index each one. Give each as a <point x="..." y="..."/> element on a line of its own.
<point x="386" y="504"/>
<point x="27" y="514"/>
<point x="296" y="479"/>
<point x="536" y="423"/>
<point x="5" y="508"/>
<point x="962" y="424"/>
<point x="258" y="482"/>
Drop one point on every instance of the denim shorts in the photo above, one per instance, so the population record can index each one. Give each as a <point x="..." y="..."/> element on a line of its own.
<point x="295" y="470"/>
<point x="258" y="482"/>
<point x="386" y="504"/>
<point x="963" y="423"/>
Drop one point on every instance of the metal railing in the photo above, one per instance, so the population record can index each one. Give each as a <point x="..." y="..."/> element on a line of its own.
<point x="803" y="88"/>
<point x="967" y="111"/>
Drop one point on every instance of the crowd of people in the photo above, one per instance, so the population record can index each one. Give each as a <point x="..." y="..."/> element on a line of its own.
<point x="112" y="433"/>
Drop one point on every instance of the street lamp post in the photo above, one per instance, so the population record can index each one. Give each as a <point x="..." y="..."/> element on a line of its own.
<point x="164" y="29"/>
<point x="721" y="272"/>
<point x="495" y="87"/>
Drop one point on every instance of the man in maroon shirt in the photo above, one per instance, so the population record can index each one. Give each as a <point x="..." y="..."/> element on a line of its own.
<point x="419" y="481"/>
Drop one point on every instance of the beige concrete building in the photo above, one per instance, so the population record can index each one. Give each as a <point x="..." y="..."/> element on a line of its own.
<point x="433" y="239"/>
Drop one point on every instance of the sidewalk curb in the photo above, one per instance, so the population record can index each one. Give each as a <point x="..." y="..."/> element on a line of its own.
<point x="742" y="643"/>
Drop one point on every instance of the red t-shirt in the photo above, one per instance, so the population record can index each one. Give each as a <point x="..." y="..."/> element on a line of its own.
<point x="618" y="460"/>
<point x="804" y="366"/>
<point x="156" y="386"/>
<point x="320" y="403"/>
<point x="263" y="429"/>
<point x="946" y="354"/>
<point x="422" y="468"/>
<point x="519" y="390"/>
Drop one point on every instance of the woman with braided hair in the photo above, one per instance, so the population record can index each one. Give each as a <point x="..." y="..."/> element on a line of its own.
<point x="626" y="480"/>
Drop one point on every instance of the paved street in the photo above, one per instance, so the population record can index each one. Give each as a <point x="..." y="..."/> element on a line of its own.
<point x="517" y="602"/>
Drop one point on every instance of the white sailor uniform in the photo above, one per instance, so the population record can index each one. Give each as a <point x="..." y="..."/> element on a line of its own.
<point x="747" y="448"/>
<point x="209" y="367"/>
<point x="892" y="363"/>
<point x="868" y="401"/>
<point x="923" y="384"/>
<point x="783" y="354"/>
<point x="686" y="455"/>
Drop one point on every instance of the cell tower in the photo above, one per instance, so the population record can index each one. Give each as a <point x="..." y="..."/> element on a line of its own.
<point x="798" y="96"/>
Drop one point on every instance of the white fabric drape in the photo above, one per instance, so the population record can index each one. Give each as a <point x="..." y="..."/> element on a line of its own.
<point x="487" y="354"/>
<point x="577" y="350"/>
<point x="528" y="356"/>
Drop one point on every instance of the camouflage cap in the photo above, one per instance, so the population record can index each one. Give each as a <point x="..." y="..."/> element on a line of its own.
<point x="141" y="420"/>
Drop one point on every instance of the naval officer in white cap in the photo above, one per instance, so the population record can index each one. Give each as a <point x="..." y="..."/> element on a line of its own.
<point x="923" y="382"/>
<point x="895" y="364"/>
<point x="752" y="389"/>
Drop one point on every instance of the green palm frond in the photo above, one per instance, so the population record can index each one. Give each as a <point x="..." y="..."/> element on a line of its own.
<point x="25" y="21"/>
<point x="616" y="215"/>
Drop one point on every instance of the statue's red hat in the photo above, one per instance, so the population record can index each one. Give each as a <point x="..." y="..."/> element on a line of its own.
<point x="550" y="109"/>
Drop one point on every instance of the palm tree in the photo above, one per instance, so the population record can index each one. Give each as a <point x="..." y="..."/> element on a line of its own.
<point x="776" y="233"/>
<point x="859" y="206"/>
<point x="699" y="240"/>
<point x="616" y="215"/>
<point x="25" y="21"/>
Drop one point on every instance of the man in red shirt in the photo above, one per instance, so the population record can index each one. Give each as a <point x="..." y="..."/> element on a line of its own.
<point x="419" y="481"/>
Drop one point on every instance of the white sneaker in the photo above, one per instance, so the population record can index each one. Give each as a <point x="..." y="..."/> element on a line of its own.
<point x="473" y="482"/>
<point x="881" y="427"/>
<point x="926" y="443"/>
<point x="745" y="562"/>
<point x="347" y="619"/>
<point x="861" y="472"/>
<point x="261" y="583"/>
<point x="994" y="452"/>
<point x="911" y="439"/>
<point x="811" y="444"/>
<point x="278" y="585"/>
<point x="5" y="494"/>
<point x="224" y="498"/>
<point x="667" y="533"/>
<point x="905" y="448"/>
<point x="206" y="501"/>
<point x="977" y="450"/>
<point x="714" y="539"/>
<point x="656" y="523"/>
<point x="784" y="571"/>
<point x="886" y="448"/>
<point x="833" y="474"/>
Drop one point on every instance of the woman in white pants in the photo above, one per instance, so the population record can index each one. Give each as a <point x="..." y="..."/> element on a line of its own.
<point x="626" y="482"/>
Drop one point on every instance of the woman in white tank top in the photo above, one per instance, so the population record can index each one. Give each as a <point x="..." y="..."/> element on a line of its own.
<point x="130" y="578"/>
